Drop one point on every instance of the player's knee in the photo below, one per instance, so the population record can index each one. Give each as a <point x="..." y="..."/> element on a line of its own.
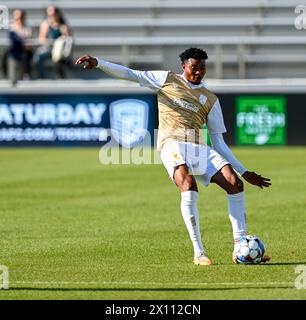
<point x="235" y="184"/>
<point x="188" y="184"/>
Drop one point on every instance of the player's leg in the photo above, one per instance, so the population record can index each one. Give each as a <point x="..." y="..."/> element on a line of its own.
<point x="227" y="179"/>
<point x="189" y="208"/>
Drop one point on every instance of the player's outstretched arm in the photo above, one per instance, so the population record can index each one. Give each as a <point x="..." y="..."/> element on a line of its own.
<point x="151" y="79"/>
<point x="114" y="70"/>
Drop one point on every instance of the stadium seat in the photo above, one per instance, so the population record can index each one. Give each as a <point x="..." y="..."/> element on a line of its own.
<point x="237" y="34"/>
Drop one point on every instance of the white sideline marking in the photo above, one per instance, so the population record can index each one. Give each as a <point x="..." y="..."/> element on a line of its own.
<point x="179" y="284"/>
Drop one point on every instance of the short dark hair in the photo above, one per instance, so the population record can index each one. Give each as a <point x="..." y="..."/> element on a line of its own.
<point x="193" y="53"/>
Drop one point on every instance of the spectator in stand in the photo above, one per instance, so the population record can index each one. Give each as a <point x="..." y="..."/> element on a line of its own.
<point x="20" y="53"/>
<point x="52" y="28"/>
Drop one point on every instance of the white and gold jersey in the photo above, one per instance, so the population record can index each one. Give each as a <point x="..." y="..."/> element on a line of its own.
<point x="183" y="110"/>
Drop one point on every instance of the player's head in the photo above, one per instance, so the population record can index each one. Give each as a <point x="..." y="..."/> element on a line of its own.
<point x="193" y="64"/>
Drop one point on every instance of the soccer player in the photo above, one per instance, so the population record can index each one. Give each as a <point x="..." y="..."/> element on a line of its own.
<point x="185" y="105"/>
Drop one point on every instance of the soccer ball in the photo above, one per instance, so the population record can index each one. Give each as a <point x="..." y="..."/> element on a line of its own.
<point x="249" y="250"/>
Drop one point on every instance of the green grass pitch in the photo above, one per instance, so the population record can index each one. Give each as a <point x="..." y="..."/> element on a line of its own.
<point x="72" y="228"/>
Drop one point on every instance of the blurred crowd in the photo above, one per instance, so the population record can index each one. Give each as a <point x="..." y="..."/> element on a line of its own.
<point x="28" y="57"/>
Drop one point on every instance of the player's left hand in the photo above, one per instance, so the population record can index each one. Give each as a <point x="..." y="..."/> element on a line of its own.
<point x="257" y="180"/>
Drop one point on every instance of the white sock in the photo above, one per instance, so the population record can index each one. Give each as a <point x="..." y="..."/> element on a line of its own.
<point x="237" y="214"/>
<point x="189" y="209"/>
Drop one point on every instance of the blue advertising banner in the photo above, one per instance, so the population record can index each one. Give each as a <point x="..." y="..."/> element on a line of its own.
<point x="76" y="119"/>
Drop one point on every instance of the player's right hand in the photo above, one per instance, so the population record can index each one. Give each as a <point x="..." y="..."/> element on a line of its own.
<point x="90" y="62"/>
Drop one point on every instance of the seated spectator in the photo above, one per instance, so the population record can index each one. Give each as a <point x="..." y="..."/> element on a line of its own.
<point x="19" y="55"/>
<point x="51" y="29"/>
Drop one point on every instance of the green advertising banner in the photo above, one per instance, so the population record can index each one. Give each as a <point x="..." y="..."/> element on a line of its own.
<point x="206" y="135"/>
<point x="261" y="120"/>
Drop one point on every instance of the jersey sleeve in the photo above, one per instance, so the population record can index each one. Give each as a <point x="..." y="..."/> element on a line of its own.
<point x="215" y="123"/>
<point x="152" y="79"/>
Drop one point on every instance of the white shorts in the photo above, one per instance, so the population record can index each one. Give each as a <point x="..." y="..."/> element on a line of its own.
<point x="202" y="161"/>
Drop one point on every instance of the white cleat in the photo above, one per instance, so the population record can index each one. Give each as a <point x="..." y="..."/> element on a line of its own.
<point x="202" y="260"/>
